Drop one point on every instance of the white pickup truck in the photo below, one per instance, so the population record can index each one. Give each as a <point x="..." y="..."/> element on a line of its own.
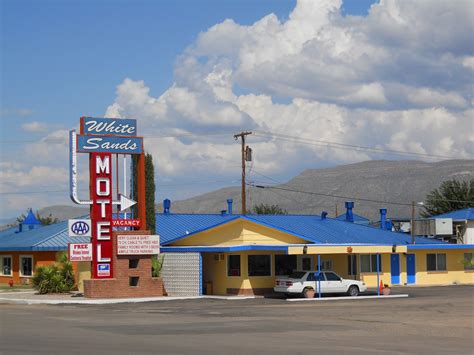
<point x="301" y="282"/>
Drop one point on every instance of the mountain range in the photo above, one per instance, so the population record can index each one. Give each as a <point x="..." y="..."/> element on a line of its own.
<point x="371" y="185"/>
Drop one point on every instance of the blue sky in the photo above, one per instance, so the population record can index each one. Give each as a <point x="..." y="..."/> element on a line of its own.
<point x="63" y="59"/>
<point x="318" y="70"/>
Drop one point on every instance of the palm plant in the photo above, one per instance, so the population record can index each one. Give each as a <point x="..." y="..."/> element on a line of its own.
<point x="56" y="278"/>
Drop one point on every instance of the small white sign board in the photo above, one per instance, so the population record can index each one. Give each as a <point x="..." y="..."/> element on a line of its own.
<point x="138" y="244"/>
<point x="79" y="228"/>
<point x="80" y="251"/>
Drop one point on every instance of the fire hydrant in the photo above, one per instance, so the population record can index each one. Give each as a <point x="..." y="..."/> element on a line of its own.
<point x="10" y="282"/>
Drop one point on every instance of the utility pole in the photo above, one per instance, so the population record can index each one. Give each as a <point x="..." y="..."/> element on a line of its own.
<point x="244" y="158"/>
<point x="413" y="213"/>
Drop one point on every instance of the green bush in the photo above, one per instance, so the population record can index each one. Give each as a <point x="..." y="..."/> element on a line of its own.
<point x="156" y="265"/>
<point x="56" y="278"/>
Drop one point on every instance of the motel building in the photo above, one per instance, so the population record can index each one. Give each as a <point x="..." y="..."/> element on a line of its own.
<point x="30" y="245"/>
<point x="231" y="254"/>
<point x="228" y="254"/>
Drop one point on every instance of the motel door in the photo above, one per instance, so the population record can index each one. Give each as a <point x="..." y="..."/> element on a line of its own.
<point x="395" y="268"/>
<point x="411" y="269"/>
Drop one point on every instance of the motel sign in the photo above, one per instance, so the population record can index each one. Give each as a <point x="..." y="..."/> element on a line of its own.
<point x="100" y="138"/>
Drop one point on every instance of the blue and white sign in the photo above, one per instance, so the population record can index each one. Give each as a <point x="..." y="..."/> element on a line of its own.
<point x="79" y="228"/>
<point x="108" y="126"/>
<point x="103" y="269"/>
<point x="109" y="144"/>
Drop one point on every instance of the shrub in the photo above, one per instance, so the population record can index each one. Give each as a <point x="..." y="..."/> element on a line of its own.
<point x="56" y="278"/>
<point x="156" y="265"/>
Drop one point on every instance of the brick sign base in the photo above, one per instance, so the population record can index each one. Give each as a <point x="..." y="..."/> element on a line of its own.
<point x="126" y="268"/>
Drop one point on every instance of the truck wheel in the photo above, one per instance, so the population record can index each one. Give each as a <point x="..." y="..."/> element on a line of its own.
<point x="353" y="291"/>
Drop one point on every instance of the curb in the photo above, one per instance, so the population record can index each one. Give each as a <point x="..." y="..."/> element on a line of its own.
<point x="118" y="300"/>
<point x="345" y="298"/>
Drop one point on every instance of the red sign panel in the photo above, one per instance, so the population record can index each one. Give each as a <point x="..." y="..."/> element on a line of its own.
<point x="101" y="214"/>
<point x="126" y="223"/>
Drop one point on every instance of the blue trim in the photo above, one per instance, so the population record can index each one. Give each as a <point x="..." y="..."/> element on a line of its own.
<point x="202" y="249"/>
<point x="440" y="246"/>
<point x="378" y="274"/>
<point x="319" y="276"/>
<point x="411" y="269"/>
<point x="55" y="248"/>
<point x="395" y="269"/>
<point x="200" y="274"/>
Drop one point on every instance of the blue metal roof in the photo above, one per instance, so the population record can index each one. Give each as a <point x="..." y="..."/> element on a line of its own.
<point x="464" y="214"/>
<point x="357" y="218"/>
<point x="172" y="227"/>
<point x="53" y="237"/>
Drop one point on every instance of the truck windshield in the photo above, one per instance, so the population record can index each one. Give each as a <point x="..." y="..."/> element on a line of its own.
<point x="297" y="275"/>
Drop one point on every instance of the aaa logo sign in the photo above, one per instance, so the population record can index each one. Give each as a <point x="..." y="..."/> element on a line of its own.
<point x="79" y="228"/>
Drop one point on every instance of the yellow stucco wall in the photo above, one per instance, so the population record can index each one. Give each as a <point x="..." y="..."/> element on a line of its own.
<point x="370" y="278"/>
<point x="83" y="272"/>
<point x="455" y="273"/>
<point x="239" y="233"/>
<point x="248" y="233"/>
<point x="216" y="272"/>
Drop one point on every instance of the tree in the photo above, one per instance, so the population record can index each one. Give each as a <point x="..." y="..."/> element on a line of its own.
<point x="149" y="188"/>
<point x="44" y="220"/>
<point x="47" y="220"/>
<point x="268" y="209"/>
<point x="451" y="195"/>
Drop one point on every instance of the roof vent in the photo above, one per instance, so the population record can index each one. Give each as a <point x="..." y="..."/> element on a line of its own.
<point x="229" y="205"/>
<point x="383" y="218"/>
<point x="166" y="206"/>
<point x="349" y="215"/>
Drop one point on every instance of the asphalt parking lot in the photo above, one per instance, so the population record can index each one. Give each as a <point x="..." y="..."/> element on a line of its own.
<point x="436" y="320"/>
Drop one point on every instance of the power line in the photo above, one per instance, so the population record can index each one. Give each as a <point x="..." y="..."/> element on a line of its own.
<point x="45" y="140"/>
<point x="338" y="145"/>
<point x="285" y="137"/>
<point x="347" y="197"/>
<point x="158" y="185"/>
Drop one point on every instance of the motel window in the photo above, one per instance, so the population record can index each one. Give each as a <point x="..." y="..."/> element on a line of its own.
<point x="352" y="264"/>
<point x="436" y="262"/>
<point x="306" y="263"/>
<point x="260" y="265"/>
<point x="6" y="265"/>
<point x="326" y="265"/>
<point x="26" y="266"/>
<point x="285" y="264"/>
<point x="468" y="261"/>
<point x="368" y="263"/>
<point x="233" y="265"/>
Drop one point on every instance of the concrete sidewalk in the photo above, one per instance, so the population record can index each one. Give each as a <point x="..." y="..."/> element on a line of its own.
<point x="345" y="298"/>
<point x="30" y="297"/>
